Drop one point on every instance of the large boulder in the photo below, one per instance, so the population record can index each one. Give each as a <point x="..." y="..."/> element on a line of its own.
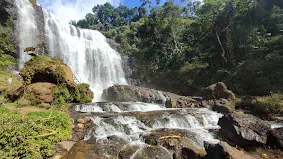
<point x="40" y="93"/>
<point x="154" y="152"/>
<point x="125" y="93"/>
<point x="46" y="69"/>
<point x="223" y="150"/>
<point x="180" y="142"/>
<point x="217" y="91"/>
<point x="82" y="150"/>
<point x="243" y="129"/>
<point x="219" y="105"/>
<point x="275" y="138"/>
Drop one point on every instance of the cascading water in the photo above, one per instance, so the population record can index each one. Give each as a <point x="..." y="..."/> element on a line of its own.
<point x="93" y="61"/>
<point x="87" y="53"/>
<point x="129" y="123"/>
<point x="27" y="30"/>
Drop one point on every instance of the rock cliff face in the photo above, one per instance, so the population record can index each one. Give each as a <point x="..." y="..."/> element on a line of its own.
<point x="8" y="12"/>
<point x="129" y="64"/>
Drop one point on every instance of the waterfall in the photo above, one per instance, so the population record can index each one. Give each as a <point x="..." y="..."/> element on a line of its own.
<point x="27" y="30"/>
<point x="85" y="51"/>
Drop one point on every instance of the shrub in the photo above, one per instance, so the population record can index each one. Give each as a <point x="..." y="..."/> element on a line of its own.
<point x="272" y="104"/>
<point x="76" y="94"/>
<point x="62" y="96"/>
<point x="82" y="94"/>
<point x="33" y="135"/>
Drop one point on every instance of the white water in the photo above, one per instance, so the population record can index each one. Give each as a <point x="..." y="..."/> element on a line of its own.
<point x="126" y="121"/>
<point x="125" y="107"/>
<point x="27" y="29"/>
<point x="88" y="54"/>
<point x="85" y="51"/>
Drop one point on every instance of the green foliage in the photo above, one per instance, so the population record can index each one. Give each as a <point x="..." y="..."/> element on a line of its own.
<point x="7" y="48"/>
<point x="82" y="94"/>
<point x="77" y="94"/>
<point x="27" y="136"/>
<point x="6" y="60"/>
<point x="183" y="47"/>
<point x="272" y="104"/>
<point x="62" y="96"/>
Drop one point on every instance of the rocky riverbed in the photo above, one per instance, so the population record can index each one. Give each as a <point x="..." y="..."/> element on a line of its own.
<point x="138" y="130"/>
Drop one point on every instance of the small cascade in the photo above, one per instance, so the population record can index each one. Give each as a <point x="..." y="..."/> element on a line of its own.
<point x="129" y="123"/>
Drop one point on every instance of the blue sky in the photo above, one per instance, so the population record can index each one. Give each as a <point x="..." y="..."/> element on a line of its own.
<point x="66" y="10"/>
<point x="131" y="3"/>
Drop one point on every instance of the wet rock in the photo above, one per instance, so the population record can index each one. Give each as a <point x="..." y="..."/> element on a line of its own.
<point x="243" y="129"/>
<point x="275" y="138"/>
<point x="109" y="147"/>
<point x="180" y="142"/>
<point x="217" y="91"/>
<point x="123" y="93"/>
<point x="127" y="152"/>
<point x="224" y="151"/>
<point x="83" y="120"/>
<point x="223" y="106"/>
<point x="152" y="152"/>
<point x="81" y="126"/>
<point x="66" y="145"/>
<point x="82" y="150"/>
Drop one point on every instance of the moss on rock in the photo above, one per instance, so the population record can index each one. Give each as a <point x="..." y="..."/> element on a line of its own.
<point x="46" y="69"/>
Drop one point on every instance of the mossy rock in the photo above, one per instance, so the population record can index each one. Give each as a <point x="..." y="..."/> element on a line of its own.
<point x="46" y="69"/>
<point x="217" y="91"/>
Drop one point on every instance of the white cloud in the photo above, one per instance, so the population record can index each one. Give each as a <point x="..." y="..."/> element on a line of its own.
<point x="66" y="10"/>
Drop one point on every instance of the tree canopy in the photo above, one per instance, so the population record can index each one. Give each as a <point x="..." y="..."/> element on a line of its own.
<point x="184" y="45"/>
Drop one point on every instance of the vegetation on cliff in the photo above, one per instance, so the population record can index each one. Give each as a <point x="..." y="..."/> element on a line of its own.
<point x="7" y="48"/>
<point x="183" y="46"/>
